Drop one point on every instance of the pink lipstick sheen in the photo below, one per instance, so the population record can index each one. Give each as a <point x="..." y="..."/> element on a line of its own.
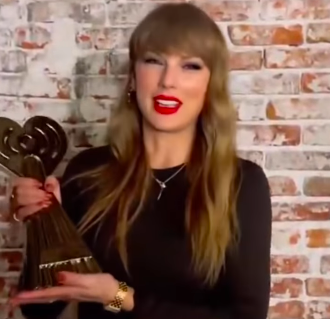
<point x="166" y="105"/>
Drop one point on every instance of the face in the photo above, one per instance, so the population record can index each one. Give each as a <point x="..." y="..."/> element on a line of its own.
<point x="170" y="90"/>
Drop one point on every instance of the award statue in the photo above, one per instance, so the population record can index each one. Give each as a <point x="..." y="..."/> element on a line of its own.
<point x="53" y="243"/>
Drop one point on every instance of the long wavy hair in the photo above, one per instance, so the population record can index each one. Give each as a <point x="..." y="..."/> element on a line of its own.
<point x="123" y="187"/>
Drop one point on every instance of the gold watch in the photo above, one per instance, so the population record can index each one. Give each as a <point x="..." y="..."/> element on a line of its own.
<point x="116" y="304"/>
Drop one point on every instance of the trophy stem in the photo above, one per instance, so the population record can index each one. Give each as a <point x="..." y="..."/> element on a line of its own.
<point x="53" y="242"/>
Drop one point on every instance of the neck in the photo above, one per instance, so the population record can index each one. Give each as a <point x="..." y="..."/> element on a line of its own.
<point x="167" y="149"/>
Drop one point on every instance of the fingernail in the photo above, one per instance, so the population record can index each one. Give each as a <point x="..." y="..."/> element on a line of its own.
<point x="60" y="277"/>
<point x="49" y="188"/>
<point x="45" y="204"/>
<point x="47" y="199"/>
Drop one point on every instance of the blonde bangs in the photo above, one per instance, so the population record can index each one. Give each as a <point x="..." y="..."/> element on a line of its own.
<point x="174" y="32"/>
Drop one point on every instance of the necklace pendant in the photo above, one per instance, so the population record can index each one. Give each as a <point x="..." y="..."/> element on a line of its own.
<point x="160" y="194"/>
<point x="162" y="186"/>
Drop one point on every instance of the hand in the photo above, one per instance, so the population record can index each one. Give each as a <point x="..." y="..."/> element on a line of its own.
<point x="28" y="196"/>
<point x="101" y="288"/>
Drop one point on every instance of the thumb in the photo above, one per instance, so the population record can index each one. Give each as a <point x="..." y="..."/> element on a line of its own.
<point x="52" y="185"/>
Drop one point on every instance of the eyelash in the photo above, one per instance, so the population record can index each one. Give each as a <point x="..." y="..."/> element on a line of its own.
<point x="190" y="65"/>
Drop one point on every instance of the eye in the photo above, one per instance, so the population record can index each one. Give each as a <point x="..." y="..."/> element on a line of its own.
<point x="192" y="66"/>
<point x="151" y="60"/>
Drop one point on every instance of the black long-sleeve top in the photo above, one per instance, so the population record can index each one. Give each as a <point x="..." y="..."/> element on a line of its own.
<point x="159" y="257"/>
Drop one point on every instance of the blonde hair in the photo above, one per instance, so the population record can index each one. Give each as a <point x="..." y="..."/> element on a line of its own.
<point x="123" y="188"/>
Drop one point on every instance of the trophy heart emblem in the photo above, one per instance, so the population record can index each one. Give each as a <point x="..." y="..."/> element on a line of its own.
<point x="40" y="136"/>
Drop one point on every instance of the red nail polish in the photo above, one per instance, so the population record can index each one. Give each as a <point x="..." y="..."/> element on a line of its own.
<point x="60" y="277"/>
<point x="49" y="188"/>
<point x="46" y="204"/>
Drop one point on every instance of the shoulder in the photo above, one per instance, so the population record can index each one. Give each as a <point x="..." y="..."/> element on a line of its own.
<point x="88" y="159"/>
<point x="93" y="156"/>
<point x="251" y="176"/>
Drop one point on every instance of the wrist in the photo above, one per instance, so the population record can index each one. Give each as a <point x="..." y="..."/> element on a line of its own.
<point x="128" y="303"/>
<point x="119" y="298"/>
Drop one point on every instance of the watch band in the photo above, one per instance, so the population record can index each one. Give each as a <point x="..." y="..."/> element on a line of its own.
<point x="116" y="304"/>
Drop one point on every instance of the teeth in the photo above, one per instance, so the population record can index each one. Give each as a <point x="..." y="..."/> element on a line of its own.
<point x="166" y="103"/>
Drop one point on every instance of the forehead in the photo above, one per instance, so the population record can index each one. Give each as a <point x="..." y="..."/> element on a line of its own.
<point x="176" y="33"/>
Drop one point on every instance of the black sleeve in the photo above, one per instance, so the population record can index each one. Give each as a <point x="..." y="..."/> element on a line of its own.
<point x="69" y="204"/>
<point x="247" y="271"/>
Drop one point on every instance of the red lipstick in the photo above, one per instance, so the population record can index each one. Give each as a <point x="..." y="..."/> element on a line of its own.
<point x="166" y="105"/>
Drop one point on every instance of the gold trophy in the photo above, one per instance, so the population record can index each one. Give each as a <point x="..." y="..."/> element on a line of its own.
<point x="53" y="243"/>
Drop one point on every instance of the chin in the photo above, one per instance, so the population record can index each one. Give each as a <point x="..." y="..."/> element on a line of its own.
<point x="174" y="123"/>
<point x="169" y="127"/>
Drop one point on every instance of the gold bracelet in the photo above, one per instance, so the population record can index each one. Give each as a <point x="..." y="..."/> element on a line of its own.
<point x="116" y="304"/>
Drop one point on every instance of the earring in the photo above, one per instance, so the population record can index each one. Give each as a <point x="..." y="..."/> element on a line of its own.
<point x="129" y="97"/>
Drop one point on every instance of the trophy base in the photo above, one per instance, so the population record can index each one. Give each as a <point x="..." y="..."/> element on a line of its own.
<point x="45" y="275"/>
<point x="53" y="245"/>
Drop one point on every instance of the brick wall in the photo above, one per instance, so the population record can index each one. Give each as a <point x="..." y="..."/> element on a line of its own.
<point x="54" y="61"/>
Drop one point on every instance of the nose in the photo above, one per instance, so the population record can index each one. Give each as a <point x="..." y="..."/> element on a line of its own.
<point x="169" y="76"/>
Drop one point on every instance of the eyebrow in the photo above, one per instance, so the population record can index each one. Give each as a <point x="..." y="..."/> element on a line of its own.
<point x="183" y="56"/>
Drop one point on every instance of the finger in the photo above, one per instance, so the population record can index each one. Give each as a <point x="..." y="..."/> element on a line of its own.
<point x="73" y="279"/>
<point x="16" y="302"/>
<point x="78" y="297"/>
<point x="29" y="190"/>
<point x="31" y="196"/>
<point x="26" y="182"/>
<point x="53" y="293"/>
<point x="30" y="205"/>
<point x="52" y="185"/>
<point x="26" y="211"/>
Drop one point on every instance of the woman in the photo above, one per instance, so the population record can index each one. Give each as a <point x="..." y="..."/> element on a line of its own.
<point x="180" y="226"/>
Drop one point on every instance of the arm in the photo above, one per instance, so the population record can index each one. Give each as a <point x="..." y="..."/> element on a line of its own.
<point x="248" y="270"/>
<point x="247" y="273"/>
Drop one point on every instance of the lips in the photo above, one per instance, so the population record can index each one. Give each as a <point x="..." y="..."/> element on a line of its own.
<point x="166" y="105"/>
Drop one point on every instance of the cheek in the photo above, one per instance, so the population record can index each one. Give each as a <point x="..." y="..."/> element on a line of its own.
<point x="195" y="89"/>
<point x="146" y="81"/>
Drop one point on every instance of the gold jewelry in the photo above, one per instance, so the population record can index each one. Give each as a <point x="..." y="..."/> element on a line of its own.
<point x="129" y="96"/>
<point x="116" y="304"/>
<point x="12" y="200"/>
<point x="13" y="208"/>
<point x="15" y="218"/>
